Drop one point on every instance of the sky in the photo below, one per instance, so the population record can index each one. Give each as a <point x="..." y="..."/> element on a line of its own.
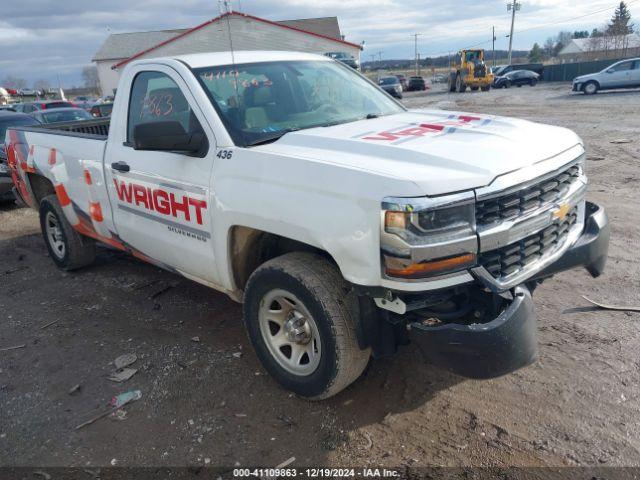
<point x="43" y="39"/>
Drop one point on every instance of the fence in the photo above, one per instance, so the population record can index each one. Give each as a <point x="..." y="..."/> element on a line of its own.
<point x="566" y="72"/>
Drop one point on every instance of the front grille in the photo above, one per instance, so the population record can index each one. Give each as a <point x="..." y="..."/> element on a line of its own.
<point x="511" y="259"/>
<point x="513" y="205"/>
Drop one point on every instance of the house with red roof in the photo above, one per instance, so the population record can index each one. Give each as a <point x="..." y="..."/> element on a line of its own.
<point x="240" y="30"/>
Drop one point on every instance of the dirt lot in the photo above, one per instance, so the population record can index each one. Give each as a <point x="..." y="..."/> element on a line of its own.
<point x="209" y="401"/>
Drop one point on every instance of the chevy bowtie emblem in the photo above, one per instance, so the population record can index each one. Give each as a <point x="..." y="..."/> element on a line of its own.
<point x="561" y="212"/>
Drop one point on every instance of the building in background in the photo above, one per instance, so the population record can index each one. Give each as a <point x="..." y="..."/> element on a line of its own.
<point x="312" y="35"/>
<point x="600" y="48"/>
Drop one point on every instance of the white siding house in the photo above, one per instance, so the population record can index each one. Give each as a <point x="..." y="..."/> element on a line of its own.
<point x="600" y="48"/>
<point x="247" y="33"/>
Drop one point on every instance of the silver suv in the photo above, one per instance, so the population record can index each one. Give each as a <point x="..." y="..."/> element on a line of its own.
<point x="624" y="74"/>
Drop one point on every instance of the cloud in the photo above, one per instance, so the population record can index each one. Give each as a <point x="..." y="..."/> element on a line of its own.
<point x="44" y="39"/>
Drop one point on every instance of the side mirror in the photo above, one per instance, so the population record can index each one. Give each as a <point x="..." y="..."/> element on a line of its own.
<point x="169" y="136"/>
<point x="610" y="70"/>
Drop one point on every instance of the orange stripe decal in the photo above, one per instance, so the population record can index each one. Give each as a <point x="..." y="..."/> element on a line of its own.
<point x="52" y="156"/>
<point x="96" y="211"/>
<point x="63" y="198"/>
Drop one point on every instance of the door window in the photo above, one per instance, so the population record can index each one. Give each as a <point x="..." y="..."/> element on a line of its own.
<point x="155" y="97"/>
<point x="622" y="67"/>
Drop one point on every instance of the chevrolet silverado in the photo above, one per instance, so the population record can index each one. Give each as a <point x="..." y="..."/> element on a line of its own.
<point x="346" y="224"/>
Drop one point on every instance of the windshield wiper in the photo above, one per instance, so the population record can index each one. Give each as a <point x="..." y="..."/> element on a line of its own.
<point x="271" y="138"/>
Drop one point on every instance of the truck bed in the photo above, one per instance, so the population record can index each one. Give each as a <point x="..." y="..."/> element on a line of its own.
<point x="96" y="129"/>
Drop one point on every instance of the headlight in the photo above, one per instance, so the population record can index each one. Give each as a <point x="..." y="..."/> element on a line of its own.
<point x="426" y="237"/>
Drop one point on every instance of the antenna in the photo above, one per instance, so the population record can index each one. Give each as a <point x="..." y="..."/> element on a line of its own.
<point x="227" y="13"/>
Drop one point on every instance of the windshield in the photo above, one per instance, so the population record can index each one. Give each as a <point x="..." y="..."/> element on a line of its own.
<point x="64" y="116"/>
<point x="388" y="80"/>
<point x="260" y="102"/>
<point x="6" y="123"/>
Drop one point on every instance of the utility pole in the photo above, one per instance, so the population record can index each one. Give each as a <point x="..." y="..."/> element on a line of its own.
<point x="415" y="38"/>
<point x="512" y="7"/>
<point x="494" y="47"/>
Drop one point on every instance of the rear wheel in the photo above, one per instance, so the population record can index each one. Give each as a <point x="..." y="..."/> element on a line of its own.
<point x="590" y="88"/>
<point x="533" y="82"/>
<point x="486" y="88"/>
<point x="68" y="249"/>
<point x="302" y="323"/>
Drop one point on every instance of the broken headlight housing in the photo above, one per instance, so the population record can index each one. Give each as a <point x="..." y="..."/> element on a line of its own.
<point x="427" y="237"/>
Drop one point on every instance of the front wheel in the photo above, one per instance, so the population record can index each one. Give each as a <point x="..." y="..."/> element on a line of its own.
<point x="68" y="249"/>
<point x="591" y="88"/>
<point x="302" y="323"/>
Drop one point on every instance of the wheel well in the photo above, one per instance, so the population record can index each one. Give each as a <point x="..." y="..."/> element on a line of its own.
<point x="591" y="81"/>
<point x="40" y="186"/>
<point x="249" y="248"/>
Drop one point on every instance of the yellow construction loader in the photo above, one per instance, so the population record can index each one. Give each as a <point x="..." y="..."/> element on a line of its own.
<point x="471" y="72"/>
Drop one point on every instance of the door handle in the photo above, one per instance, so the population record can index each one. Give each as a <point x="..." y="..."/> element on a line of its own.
<point x="120" y="166"/>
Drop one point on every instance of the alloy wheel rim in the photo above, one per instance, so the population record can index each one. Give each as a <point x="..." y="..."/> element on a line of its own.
<point x="54" y="235"/>
<point x="290" y="332"/>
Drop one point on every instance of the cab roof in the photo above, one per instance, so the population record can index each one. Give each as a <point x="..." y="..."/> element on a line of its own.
<point x="215" y="59"/>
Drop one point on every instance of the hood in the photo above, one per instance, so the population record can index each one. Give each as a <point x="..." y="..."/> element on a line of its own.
<point x="582" y="78"/>
<point x="439" y="151"/>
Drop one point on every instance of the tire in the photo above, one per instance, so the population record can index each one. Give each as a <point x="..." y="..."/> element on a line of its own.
<point x="460" y="85"/>
<point x="590" y="88"/>
<point x="67" y="248"/>
<point x="307" y="289"/>
<point x="452" y="83"/>
<point x="475" y="89"/>
<point x="507" y="84"/>
<point x="533" y="82"/>
<point x="486" y="89"/>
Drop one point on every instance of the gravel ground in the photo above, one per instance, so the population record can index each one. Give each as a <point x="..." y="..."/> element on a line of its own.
<point x="206" y="399"/>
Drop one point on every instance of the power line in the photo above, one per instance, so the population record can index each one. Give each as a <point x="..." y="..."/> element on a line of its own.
<point x="537" y="27"/>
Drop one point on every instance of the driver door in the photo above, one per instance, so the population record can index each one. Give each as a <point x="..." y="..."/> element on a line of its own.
<point x="161" y="200"/>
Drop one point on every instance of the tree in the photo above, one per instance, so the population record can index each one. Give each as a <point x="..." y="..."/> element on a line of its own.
<point x="549" y="46"/>
<point x="535" y="55"/>
<point x="596" y="33"/>
<point x="12" y="81"/>
<point x="620" y="22"/>
<point x="90" y="77"/>
<point x="581" y="34"/>
<point x="41" y="84"/>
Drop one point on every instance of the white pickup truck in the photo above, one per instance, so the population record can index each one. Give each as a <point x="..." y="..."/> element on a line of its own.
<point x="345" y="223"/>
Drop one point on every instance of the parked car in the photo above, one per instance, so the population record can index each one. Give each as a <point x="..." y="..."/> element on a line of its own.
<point x="391" y="85"/>
<point x="440" y="78"/>
<point x="417" y="84"/>
<point x="403" y="81"/>
<point x="533" y="67"/>
<point x="7" y="108"/>
<point x="624" y="74"/>
<point x="9" y="119"/>
<point x="85" y="102"/>
<point x="516" y="78"/>
<point x="344" y="58"/>
<point x="101" y="109"/>
<point x="31" y="107"/>
<point x="326" y="278"/>
<point x="56" y="115"/>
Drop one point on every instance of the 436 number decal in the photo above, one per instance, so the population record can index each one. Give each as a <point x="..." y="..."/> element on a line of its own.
<point x="225" y="154"/>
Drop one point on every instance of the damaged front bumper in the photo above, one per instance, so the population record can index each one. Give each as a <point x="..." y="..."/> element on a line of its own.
<point x="508" y="342"/>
